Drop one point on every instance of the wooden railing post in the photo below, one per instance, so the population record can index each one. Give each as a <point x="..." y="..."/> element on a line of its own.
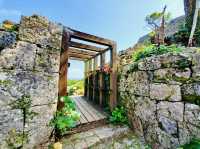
<point x="94" y="77"/>
<point x="113" y="77"/>
<point x="102" y="62"/>
<point x="85" y="77"/>
<point x="89" y="69"/>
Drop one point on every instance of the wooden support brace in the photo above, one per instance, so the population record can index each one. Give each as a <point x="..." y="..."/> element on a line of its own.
<point x="94" y="77"/>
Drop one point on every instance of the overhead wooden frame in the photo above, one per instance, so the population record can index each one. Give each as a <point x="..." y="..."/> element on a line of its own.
<point x="79" y="50"/>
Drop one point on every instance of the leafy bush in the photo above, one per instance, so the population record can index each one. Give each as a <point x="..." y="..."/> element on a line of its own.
<point x="154" y="50"/>
<point x="67" y="117"/>
<point x="118" y="116"/>
<point x="194" y="144"/>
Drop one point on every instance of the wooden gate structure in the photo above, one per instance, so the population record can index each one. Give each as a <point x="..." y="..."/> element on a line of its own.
<point x="82" y="46"/>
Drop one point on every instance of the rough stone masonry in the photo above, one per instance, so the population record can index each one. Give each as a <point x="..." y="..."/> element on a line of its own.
<point x="162" y="95"/>
<point x="29" y="73"/>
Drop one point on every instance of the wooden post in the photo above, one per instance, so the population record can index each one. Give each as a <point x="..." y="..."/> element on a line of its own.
<point x="63" y="68"/>
<point x="113" y="77"/>
<point x="89" y="69"/>
<point x="94" y="75"/>
<point x="85" y="77"/>
<point x="102" y="62"/>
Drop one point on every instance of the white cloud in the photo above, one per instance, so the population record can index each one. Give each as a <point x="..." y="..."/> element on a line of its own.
<point x="7" y="12"/>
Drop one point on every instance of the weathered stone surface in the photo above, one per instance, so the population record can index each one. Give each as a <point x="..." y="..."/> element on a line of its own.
<point x="192" y="114"/>
<point x="151" y="63"/>
<point x="10" y="120"/>
<point x="146" y="109"/>
<point x="173" y="111"/>
<point x="138" y="83"/>
<point x="38" y="128"/>
<point x="7" y="39"/>
<point x="39" y="30"/>
<point x="47" y="61"/>
<point x="20" y="57"/>
<point x="191" y="92"/>
<point x="165" y="92"/>
<point x="169" y="126"/>
<point x="172" y="75"/>
<point x="43" y="89"/>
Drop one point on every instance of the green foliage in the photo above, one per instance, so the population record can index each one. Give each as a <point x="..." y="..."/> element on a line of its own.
<point x="24" y="104"/>
<point x="154" y="19"/>
<point x="16" y="139"/>
<point x="67" y="117"/>
<point x="194" y="144"/>
<point x="182" y="36"/>
<point x="154" y="50"/>
<point x="118" y="116"/>
<point x="75" y="87"/>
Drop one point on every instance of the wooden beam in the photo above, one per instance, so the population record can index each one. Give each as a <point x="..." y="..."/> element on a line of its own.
<point x="79" y="51"/>
<point x="113" y="77"/>
<point x="85" y="46"/>
<point x="79" y="55"/>
<point x="90" y="38"/>
<point x="77" y="59"/>
<point x="102" y="62"/>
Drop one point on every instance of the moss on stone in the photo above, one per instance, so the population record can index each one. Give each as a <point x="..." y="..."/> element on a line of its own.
<point x="194" y="99"/>
<point x="16" y="139"/>
<point x="5" y="83"/>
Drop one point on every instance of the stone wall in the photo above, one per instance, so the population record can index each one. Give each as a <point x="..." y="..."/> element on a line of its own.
<point x="162" y="97"/>
<point x="29" y="73"/>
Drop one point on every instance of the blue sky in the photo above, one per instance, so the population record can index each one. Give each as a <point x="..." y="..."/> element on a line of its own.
<point x="119" y="20"/>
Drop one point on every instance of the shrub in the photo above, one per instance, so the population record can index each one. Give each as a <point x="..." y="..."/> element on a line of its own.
<point x="194" y="144"/>
<point x="75" y="87"/>
<point x="118" y="116"/>
<point x="66" y="118"/>
<point x="154" y="50"/>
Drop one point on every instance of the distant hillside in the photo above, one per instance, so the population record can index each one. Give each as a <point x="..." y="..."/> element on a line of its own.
<point x="171" y="28"/>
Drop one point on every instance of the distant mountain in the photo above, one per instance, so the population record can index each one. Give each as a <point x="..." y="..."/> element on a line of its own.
<point x="171" y="28"/>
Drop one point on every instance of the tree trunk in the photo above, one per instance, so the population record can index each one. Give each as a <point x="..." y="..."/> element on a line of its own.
<point x="189" y="7"/>
<point x="194" y="24"/>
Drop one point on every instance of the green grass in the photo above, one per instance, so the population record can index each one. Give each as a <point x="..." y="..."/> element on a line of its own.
<point x="75" y="87"/>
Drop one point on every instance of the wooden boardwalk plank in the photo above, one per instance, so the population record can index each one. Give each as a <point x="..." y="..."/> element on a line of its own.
<point x="83" y="111"/>
<point x="89" y="109"/>
<point x="98" y="113"/>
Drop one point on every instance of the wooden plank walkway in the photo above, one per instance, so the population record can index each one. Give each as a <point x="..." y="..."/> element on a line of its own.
<point x="90" y="113"/>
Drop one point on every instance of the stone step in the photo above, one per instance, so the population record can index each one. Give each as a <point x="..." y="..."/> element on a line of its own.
<point x="108" y="136"/>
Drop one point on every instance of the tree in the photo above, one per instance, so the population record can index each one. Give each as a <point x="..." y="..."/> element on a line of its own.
<point x="156" y="21"/>
<point x="194" y="23"/>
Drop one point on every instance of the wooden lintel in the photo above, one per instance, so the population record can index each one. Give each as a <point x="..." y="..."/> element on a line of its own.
<point x="85" y="46"/>
<point x="77" y="59"/>
<point x="79" y="55"/>
<point x="79" y="51"/>
<point x="90" y="38"/>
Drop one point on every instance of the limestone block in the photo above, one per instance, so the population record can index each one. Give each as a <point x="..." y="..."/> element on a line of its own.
<point x="43" y="89"/>
<point x="20" y="57"/>
<point x="145" y="109"/>
<point x="165" y="92"/>
<point x="47" y="61"/>
<point x="170" y="110"/>
<point x="38" y="128"/>
<point x="191" y="92"/>
<point x="192" y="114"/>
<point x="151" y="63"/>
<point x="138" y="83"/>
<point x="39" y="30"/>
<point x="7" y="39"/>
<point x="9" y="120"/>
<point x="172" y="75"/>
